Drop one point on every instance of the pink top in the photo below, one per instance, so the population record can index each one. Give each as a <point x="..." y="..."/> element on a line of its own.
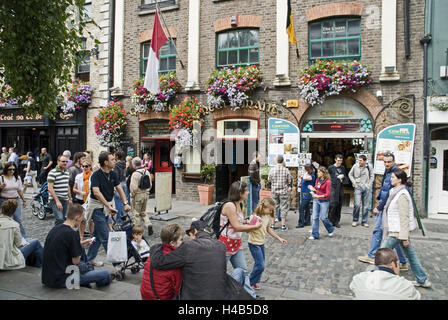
<point x="323" y="188"/>
<point x="12" y="187"/>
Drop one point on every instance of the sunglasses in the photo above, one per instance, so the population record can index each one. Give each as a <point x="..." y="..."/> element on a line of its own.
<point x="11" y="169"/>
<point x="86" y="166"/>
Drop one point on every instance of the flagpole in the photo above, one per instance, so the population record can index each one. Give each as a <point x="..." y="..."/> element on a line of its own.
<point x="169" y="35"/>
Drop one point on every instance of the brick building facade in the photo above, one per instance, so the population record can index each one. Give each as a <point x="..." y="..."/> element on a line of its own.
<point x="395" y="96"/>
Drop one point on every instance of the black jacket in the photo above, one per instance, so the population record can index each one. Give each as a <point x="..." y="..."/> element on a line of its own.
<point x="203" y="263"/>
<point x="120" y="170"/>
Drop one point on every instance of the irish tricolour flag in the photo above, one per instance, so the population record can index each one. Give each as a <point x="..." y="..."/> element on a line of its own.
<point x="152" y="70"/>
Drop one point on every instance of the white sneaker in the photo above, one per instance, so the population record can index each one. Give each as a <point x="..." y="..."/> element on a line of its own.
<point x="312" y="238"/>
<point x="331" y="234"/>
<point x="97" y="263"/>
<point x="425" y="284"/>
<point x="354" y="224"/>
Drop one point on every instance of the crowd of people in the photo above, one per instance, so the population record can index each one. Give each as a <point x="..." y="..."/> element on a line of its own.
<point x="86" y="199"/>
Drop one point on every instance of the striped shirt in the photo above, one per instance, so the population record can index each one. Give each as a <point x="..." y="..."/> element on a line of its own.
<point x="60" y="180"/>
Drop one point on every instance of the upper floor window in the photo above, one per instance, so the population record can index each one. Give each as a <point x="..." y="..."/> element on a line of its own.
<point x="338" y="38"/>
<point x="151" y="4"/>
<point x="88" y="9"/>
<point x="167" y="58"/>
<point x="83" y="69"/>
<point x="238" y="47"/>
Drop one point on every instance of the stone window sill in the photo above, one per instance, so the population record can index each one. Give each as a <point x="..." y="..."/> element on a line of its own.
<point x="151" y="10"/>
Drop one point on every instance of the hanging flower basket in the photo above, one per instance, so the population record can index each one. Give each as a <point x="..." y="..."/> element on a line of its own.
<point x="232" y="86"/>
<point x="328" y="78"/>
<point x="110" y="124"/>
<point x="182" y="118"/>
<point x="7" y="97"/>
<point x="440" y="103"/>
<point x="79" y="96"/>
<point x="143" y="100"/>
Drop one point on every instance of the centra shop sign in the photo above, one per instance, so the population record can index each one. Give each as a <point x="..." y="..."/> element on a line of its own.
<point x="269" y="107"/>
<point x="340" y="108"/>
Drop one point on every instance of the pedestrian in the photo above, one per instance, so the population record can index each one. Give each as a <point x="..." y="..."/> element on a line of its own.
<point x="308" y="179"/>
<point x="31" y="173"/>
<point x="11" y="188"/>
<point x="75" y="168"/>
<point x="257" y="238"/>
<point x="361" y="176"/>
<point x="338" y="175"/>
<point x="147" y="162"/>
<point x="103" y="183"/>
<point x="15" y="251"/>
<point x="203" y="262"/>
<point x="384" y="282"/>
<point x="233" y="225"/>
<point x="47" y="163"/>
<point x="129" y="170"/>
<point x="321" y="195"/>
<point x="281" y="184"/>
<point x="383" y="195"/>
<point x="68" y="154"/>
<point x="139" y="188"/>
<point x="140" y="244"/>
<point x="64" y="248"/>
<point x="166" y="282"/>
<point x="254" y="176"/>
<point x="59" y="190"/>
<point x="13" y="156"/>
<point x="398" y="221"/>
<point x="120" y="170"/>
<point x="4" y="157"/>
<point x="81" y="190"/>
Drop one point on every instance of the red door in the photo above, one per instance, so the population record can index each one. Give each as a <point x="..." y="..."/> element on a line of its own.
<point x="162" y="159"/>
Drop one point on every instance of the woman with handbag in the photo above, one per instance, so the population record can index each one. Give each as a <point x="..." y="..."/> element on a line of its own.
<point x="233" y="225"/>
<point x="81" y="188"/>
<point x="11" y="188"/>
<point x="398" y="221"/>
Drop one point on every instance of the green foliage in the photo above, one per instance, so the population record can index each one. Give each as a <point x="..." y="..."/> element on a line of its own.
<point x="207" y="172"/>
<point x="39" y="42"/>
<point x="264" y="175"/>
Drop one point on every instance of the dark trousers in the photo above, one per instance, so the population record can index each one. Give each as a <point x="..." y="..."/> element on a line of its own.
<point x="304" y="212"/>
<point x="336" y="197"/>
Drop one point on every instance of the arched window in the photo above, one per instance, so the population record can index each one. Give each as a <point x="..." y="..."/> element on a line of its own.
<point x="238" y="47"/>
<point x="336" y="38"/>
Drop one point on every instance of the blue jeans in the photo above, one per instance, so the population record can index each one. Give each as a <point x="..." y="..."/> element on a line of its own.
<point x="304" y="212"/>
<point x="258" y="254"/>
<point x="100" y="277"/>
<point x="33" y="253"/>
<point x="238" y="261"/>
<point x="17" y="215"/>
<point x="361" y="203"/>
<point x="59" y="215"/>
<point x="119" y="204"/>
<point x="255" y="196"/>
<point x="320" y="210"/>
<point x="100" y="231"/>
<point x="416" y="266"/>
<point x="239" y="275"/>
<point x="377" y="236"/>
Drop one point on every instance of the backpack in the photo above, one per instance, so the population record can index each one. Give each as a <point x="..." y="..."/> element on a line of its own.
<point x="212" y="217"/>
<point x="145" y="181"/>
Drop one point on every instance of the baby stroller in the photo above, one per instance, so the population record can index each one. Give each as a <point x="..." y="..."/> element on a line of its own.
<point x="41" y="205"/>
<point x="135" y="263"/>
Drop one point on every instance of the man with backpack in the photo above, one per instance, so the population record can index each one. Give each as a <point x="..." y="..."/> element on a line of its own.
<point x="139" y="188"/>
<point x="361" y="176"/>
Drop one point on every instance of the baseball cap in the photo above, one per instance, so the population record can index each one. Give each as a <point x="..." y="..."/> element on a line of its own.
<point x="196" y="224"/>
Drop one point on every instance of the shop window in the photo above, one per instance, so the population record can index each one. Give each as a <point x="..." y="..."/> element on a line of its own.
<point x="167" y="57"/>
<point x="193" y="161"/>
<point x="335" y="39"/>
<point x="238" y="47"/>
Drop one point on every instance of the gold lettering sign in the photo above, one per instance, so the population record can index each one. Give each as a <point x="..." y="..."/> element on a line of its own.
<point x="270" y="107"/>
<point x="18" y="117"/>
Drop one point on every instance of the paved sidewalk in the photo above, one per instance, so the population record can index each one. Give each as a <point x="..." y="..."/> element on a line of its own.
<point x="302" y="269"/>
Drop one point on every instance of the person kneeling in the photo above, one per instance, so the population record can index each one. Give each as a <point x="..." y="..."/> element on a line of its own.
<point x="384" y="282"/>
<point x="63" y="248"/>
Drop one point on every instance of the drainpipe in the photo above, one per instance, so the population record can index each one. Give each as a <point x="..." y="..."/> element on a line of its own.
<point x="110" y="77"/>
<point x="425" y="41"/>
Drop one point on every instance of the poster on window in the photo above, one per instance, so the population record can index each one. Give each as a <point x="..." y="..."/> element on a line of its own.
<point x="398" y="140"/>
<point x="284" y="139"/>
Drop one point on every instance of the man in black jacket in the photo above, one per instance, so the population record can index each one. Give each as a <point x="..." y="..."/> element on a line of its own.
<point x="203" y="263"/>
<point x="338" y="175"/>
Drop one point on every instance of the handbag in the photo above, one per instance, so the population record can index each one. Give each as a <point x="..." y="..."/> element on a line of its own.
<point x="232" y="245"/>
<point x="117" y="250"/>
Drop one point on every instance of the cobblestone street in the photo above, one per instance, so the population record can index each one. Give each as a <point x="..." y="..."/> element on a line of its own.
<point x="301" y="269"/>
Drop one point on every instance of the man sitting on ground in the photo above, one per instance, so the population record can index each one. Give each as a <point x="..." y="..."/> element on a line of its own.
<point x="63" y="248"/>
<point x="384" y="282"/>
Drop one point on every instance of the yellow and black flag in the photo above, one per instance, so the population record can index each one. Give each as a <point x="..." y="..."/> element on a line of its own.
<point x="290" y="25"/>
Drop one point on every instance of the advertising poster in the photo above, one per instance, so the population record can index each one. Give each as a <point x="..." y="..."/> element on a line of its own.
<point x="399" y="140"/>
<point x="284" y="139"/>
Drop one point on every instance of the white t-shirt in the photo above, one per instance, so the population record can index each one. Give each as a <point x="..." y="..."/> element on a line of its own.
<point x="79" y="181"/>
<point x="142" y="248"/>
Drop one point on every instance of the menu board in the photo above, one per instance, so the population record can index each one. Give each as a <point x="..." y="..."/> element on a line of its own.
<point x="304" y="159"/>
<point x="284" y="139"/>
<point x="398" y="140"/>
